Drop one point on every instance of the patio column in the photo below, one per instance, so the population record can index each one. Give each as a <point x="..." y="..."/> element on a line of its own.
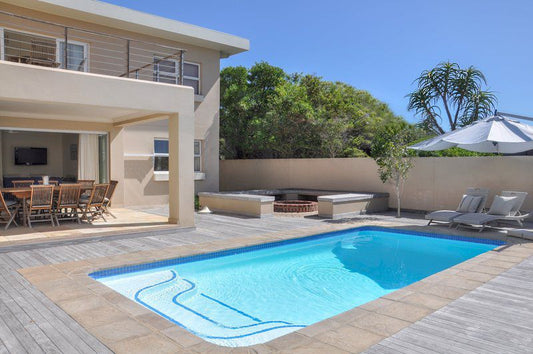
<point x="1" y="162"/>
<point x="181" y="169"/>
<point x="116" y="163"/>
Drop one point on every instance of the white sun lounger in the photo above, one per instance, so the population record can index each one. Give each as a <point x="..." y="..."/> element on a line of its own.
<point x="447" y="216"/>
<point x="483" y="220"/>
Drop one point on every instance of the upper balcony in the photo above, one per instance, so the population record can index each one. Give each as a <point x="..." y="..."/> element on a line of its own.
<point x="36" y="42"/>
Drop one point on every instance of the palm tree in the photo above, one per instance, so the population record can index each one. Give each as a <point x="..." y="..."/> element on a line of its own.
<point x="453" y="93"/>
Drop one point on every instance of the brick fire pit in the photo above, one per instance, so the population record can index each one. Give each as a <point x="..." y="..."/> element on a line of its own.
<point x="295" y="206"/>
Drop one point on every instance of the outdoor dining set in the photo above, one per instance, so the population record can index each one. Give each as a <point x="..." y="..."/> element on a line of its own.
<point x="26" y="202"/>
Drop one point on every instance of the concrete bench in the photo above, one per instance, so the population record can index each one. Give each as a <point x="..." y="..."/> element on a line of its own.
<point x="258" y="206"/>
<point x="260" y="203"/>
<point x="338" y="206"/>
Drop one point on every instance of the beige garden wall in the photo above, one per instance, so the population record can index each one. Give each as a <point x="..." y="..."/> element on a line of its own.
<point x="433" y="183"/>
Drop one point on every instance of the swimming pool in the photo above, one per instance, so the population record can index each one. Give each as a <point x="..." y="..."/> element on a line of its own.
<point x="254" y="294"/>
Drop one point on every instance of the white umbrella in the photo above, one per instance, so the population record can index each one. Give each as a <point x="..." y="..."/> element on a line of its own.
<point x="495" y="134"/>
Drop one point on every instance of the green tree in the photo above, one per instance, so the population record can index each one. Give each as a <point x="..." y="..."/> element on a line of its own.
<point x="246" y="98"/>
<point x="331" y="115"/>
<point x="266" y="113"/>
<point x="452" y="94"/>
<point x="289" y="123"/>
<point x="236" y="123"/>
<point x="394" y="159"/>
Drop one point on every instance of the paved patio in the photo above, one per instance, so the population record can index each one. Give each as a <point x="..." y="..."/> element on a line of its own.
<point x="496" y="315"/>
<point x="123" y="220"/>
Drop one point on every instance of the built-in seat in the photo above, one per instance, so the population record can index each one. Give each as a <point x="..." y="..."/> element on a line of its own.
<point x="259" y="203"/>
<point x="338" y="206"/>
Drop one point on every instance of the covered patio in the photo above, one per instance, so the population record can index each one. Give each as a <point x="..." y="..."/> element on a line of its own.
<point x="54" y="104"/>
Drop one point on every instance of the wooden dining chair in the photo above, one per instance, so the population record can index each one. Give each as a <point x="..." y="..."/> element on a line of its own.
<point x="86" y="183"/>
<point x="86" y="187"/>
<point x="52" y="181"/>
<point x="109" y="197"/>
<point x="8" y="211"/>
<point x="23" y="183"/>
<point x="93" y="207"/>
<point x="40" y="208"/>
<point x="67" y="205"/>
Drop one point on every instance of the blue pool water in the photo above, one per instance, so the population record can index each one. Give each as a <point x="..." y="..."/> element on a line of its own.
<point x="255" y="294"/>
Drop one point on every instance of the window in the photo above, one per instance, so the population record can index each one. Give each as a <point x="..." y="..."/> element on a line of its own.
<point x="77" y="55"/>
<point x="167" y="71"/>
<point x="22" y="47"/>
<point x="197" y="156"/>
<point x="191" y="76"/>
<point x="161" y="155"/>
<point x="28" y="48"/>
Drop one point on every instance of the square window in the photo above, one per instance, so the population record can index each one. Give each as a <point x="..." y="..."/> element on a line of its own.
<point x="161" y="163"/>
<point x="196" y="147"/>
<point x="161" y="146"/>
<point x="161" y="155"/>
<point x="192" y="70"/>
<point x="197" y="156"/>
<point x="195" y="84"/>
<point x="197" y="164"/>
<point x="167" y="66"/>
<point x="161" y="152"/>
<point x="76" y="56"/>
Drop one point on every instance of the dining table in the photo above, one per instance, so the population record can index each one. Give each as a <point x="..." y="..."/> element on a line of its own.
<point x="24" y="193"/>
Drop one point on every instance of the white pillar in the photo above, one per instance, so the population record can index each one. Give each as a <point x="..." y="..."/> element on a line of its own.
<point x="1" y="162"/>
<point x="116" y="164"/>
<point x="181" y="168"/>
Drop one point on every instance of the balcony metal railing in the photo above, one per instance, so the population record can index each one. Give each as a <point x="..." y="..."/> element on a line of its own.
<point x="38" y="42"/>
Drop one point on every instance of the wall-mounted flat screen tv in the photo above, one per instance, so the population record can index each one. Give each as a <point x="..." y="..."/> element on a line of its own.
<point x="31" y="156"/>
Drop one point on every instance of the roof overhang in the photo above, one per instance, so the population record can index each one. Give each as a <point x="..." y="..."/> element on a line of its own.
<point x="39" y="93"/>
<point x="119" y="17"/>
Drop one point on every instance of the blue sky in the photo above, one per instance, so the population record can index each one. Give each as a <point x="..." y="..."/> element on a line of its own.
<point x="377" y="45"/>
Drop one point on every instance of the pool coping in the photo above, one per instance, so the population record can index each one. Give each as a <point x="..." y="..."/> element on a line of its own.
<point x="124" y="325"/>
<point x="233" y="251"/>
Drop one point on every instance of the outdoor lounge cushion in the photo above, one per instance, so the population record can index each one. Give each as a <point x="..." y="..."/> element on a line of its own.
<point x="469" y="204"/>
<point x="476" y="218"/>
<point x="443" y="215"/>
<point x="502" y="205"/>
<point x="504" y="208"/>
<point x="450" y="215"/>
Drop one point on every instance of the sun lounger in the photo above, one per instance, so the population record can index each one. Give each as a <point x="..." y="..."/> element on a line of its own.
<point x="447" y="216"/>
<point x="483" y="220"/>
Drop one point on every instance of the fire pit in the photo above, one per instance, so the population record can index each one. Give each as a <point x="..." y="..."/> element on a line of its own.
<point x="295" y="206"/>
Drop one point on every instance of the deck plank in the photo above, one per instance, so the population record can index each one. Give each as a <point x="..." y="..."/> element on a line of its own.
<point x="496" y="317"/>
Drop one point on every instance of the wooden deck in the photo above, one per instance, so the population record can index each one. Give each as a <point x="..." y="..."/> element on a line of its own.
<point x="495" y="317"/>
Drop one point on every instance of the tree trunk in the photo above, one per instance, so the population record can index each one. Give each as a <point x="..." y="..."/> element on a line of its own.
<point x="398" y="198"/>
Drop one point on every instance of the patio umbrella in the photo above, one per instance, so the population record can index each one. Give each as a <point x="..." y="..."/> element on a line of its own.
<point x="496" y="134"/>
